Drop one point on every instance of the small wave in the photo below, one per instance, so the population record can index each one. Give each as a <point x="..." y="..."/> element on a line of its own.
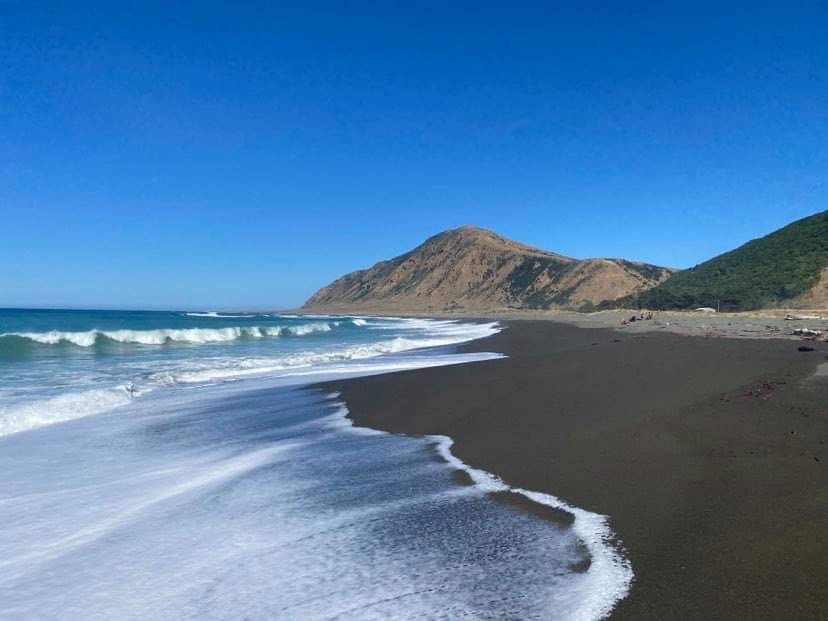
<point x="215" y="315"/>
<point x="309" y="328"/>
<point x="237" y="368"/>
<point x="199" y="369"/>
<point x="90" y="338"/>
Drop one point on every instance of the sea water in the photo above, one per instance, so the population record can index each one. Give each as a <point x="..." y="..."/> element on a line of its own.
<point x="177" y="466"/>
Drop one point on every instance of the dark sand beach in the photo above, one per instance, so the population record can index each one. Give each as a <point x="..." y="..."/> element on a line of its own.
<point x="708" y="454"/>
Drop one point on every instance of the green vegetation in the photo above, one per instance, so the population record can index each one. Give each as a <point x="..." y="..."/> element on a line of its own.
<point x="763" y="272"/>
<point x="648" y="271"/>
<point x="526" y="273"/>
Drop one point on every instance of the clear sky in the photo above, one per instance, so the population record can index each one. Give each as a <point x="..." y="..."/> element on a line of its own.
<point x="218" y="155"/>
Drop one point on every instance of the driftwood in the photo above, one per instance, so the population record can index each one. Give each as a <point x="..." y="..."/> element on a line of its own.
<point x="807" y="332"/>
<point x="792" y="317"/>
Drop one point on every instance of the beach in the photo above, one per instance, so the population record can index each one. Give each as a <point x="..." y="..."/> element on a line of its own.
<point x="707" y="454"/>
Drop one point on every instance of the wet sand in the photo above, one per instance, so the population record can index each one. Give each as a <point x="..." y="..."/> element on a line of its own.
<point x="708" y="454"/>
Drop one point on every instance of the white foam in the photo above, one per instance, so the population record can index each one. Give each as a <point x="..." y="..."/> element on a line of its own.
<point x="609" y="575"/>
<point x="357" y="360"/>
<point x="214" y="315"/>
<point x="53" y="337"/>
<point x="202" y="370"/>
<point x="181" y="508"/>
<point x="171" y="335"/>
<point x="245" y="367"/>
<point x="340" y="421"/>
<point x="610" y="572"/>
<point x="69" y="406"/>
<point x="212" y="475"/>
<point x="309" y="328"/>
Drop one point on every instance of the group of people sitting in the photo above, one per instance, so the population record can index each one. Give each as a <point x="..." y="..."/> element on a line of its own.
<point x="634" y="318"/>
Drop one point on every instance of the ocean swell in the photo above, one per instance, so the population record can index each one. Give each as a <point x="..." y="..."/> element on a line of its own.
<point x="90" y="338"/>
<point x="210" y="370"/>
<point x="142" y="379"/>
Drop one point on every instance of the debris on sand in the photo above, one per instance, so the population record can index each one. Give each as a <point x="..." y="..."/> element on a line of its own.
<point x="792" y="317"/>
<point x="807" y="332"/>
<point x="763" y="390"/>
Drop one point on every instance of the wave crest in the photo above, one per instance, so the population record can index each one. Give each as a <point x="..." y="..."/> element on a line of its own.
<point x="90" y="338"/>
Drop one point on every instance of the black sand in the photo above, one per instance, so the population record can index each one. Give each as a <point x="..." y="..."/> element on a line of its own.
<point x="709" y="455"/>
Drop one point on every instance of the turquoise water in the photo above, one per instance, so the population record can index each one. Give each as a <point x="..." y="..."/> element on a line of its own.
<point x="59" y="365"/>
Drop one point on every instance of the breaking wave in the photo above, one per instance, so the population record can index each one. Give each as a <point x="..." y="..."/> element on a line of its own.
<point x="90" y="338"/>
<point x="145" y="378"/>
<point x="214" y="315"/>
<point x="236" y="368"/>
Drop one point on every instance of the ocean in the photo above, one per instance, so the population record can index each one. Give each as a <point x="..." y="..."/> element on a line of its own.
<point x="176" y="465"/>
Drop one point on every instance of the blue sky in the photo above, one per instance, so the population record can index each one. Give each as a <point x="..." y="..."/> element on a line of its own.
<point x="215" y="156"/>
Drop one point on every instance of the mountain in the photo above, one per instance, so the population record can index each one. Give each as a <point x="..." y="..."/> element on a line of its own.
<point x="470" y="268"/>
<point x="789" y="266"/>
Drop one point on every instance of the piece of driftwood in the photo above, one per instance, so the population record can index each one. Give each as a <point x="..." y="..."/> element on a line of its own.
<point x="792" y="317"/>
<point x="807" y="332"/>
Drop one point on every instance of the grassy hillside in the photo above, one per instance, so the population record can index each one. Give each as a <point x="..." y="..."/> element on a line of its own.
<point x="763" y="272"/>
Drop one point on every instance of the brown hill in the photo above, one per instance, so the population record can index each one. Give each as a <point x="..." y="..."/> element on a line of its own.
<point x="470" y="268"/>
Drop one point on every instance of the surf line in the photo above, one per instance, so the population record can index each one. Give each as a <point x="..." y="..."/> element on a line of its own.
<point x="609" y="566"/>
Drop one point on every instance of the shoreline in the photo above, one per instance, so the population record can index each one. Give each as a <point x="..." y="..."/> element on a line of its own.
<point x="760" y="324"/>
<point x="606" y="555"/>
<point x="686" y="443"/>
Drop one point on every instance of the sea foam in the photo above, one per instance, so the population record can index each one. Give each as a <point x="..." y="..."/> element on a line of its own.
<point x="90" y="338"/>
<point x="60" y="408"/>
<point x="261" y="501"/>
<point x="234" y="494"/>
<point x="609" y="576"/>
<point x="203" y="369"/>
<point x="610" y="573"/>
